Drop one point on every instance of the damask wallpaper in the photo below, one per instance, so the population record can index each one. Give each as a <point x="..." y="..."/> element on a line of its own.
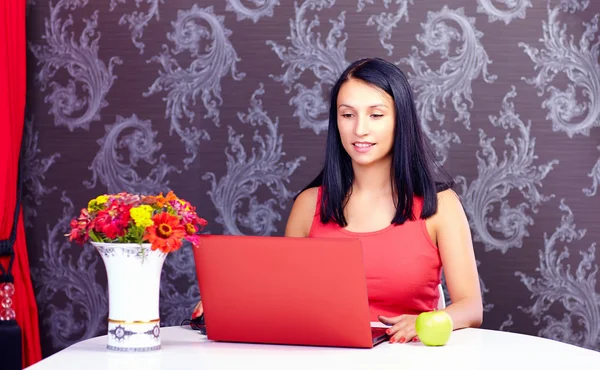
<point x="225" y="103"/>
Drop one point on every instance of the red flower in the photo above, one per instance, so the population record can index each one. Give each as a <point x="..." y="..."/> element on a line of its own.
<point x="80" y="227"/>
<point x="113" y="221"/>
<point x="77" y="234"/>
<point x="202" y="222"/>
<point x="167" y="232"/>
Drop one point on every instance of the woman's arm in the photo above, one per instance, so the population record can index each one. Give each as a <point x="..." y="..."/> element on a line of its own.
<point x="453" y="237"/>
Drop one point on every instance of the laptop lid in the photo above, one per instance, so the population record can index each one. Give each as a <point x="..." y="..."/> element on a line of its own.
<point x="281" y="290"/>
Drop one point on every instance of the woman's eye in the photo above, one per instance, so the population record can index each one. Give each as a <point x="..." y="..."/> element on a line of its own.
<point x="347" y="115"/>
<point x="376" y="115"/>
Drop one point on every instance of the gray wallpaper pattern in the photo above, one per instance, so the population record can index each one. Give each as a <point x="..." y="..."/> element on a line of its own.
<point x="225" y="102"/>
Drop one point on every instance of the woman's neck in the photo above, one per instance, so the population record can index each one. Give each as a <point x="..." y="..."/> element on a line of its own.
<point x="375" y="177"/>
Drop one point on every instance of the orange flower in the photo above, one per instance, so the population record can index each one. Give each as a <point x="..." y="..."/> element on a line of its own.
<point x="171" y="196"/>
<point x="161" y="200"/>
<point x="166" y="234"/>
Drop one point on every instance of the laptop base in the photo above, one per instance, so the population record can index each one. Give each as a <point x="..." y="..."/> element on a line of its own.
<point x="379" y="335"/>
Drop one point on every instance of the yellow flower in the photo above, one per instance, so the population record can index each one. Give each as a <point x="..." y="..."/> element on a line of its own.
<point x="142" y="215"/>
<point x="98" y="203"/>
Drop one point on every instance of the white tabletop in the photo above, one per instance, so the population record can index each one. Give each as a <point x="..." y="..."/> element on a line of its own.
<point x="183" y="348"/>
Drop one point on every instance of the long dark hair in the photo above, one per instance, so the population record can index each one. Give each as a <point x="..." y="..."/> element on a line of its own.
<point x="412" y="172"/>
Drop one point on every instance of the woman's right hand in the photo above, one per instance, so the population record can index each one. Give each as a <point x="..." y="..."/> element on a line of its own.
<point x="197" y="310"/>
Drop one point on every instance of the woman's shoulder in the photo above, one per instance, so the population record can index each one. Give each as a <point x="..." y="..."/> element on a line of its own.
<point x="302" y="213"/>
<point x="448" y="200"/>
<point x="309" y="196"/>
<point x="449" y="208"/>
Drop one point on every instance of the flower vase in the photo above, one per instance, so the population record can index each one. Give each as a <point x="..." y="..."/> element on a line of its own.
<point x="133" y="272"/>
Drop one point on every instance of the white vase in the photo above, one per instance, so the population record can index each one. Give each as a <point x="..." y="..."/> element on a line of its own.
<point x="133" y="273"/>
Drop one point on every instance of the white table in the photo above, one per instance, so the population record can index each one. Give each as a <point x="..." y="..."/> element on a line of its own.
<point x="183" y="348"/>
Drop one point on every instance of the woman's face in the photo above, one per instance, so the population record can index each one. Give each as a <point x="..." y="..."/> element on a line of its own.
<point x="366" y="121"/>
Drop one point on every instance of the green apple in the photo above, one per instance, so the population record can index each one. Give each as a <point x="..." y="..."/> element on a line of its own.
<point x="434" y="328"/>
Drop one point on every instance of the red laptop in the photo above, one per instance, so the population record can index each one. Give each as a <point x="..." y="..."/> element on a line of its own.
<point x="281" y="290"/>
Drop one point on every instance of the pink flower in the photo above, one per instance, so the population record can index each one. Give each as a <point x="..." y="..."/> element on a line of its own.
<point x="188" y="217"/>
<point x="194" y="239"/>
<point x="133" y="200"/>
<point x="176" y="204"/>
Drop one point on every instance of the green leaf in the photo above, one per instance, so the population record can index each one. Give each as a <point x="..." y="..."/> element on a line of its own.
<point x="95" y="237"/>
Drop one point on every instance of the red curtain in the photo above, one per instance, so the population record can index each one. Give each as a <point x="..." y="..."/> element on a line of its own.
<point x="12" y="110"/>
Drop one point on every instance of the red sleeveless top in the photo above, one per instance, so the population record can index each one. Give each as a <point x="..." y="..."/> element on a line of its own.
<point x="402" y="264"/>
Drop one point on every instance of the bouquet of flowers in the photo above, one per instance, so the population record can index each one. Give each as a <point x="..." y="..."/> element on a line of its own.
<point x="163" y="221"/>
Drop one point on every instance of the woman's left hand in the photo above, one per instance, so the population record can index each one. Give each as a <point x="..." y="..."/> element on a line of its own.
<point x="198" y="310"/>
<point x="402" y="328"/>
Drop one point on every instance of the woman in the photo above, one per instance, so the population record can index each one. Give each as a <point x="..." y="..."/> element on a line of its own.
<point x="378" y="185"/>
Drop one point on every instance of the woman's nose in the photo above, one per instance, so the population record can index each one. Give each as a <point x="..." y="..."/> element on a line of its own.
<point x="362" y="126"/>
